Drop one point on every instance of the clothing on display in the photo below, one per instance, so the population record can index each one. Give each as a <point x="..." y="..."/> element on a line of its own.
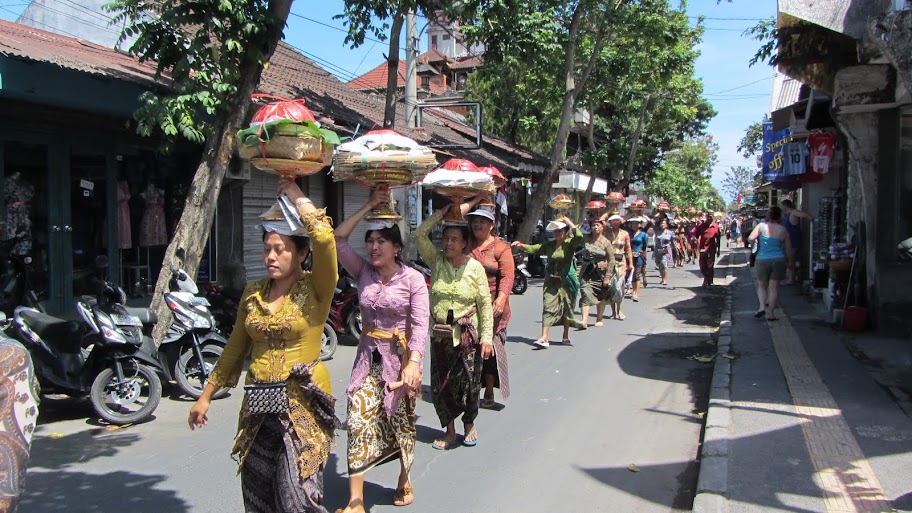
<point x="152" y="231"/>
<point x="124" y="231"/>
<point x="796" y="158"/>
<point x="18" y="195"/>
<point x="822" y="146"/>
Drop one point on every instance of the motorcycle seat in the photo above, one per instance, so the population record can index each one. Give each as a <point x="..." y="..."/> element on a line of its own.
<point x="64" y="334"/>
<point x="146" y="316"/>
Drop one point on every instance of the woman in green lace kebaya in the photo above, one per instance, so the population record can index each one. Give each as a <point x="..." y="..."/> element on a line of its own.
<point x="462" y="336"/>
<point x="557" y="305"/>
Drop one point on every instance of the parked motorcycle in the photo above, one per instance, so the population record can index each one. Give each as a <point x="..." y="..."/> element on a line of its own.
<point x="94" y="358"/>
<point x="15" y="285"/>
<point x="521" y="275"/>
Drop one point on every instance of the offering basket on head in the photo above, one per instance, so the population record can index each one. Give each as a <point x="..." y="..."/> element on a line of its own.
<point x="382" y="159"/>
<point x="458" y="179"/>
<point x="562" y="203"/>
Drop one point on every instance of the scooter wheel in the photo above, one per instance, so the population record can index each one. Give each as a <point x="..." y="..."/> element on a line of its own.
<point x="520" y="283"/>
<point x="129" y="401"/>
<point x="187" y="371"/>
<point x="328" y="342"/>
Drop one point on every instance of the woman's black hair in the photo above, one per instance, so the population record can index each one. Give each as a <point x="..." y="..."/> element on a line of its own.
<point x="775" y="214"/>
<point x="391" y="234"/>
<point x="463" y="229"/>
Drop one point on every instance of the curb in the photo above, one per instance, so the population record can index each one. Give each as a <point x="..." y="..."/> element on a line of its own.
<point x="712" y="483"/>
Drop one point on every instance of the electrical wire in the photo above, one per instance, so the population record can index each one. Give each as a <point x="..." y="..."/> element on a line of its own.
<point x="738" y="87"/>
<point x="55" y="29"/>
<point x="340" y="29"/>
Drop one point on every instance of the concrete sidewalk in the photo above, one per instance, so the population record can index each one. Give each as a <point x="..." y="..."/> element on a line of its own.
<point x="795" y="422"/>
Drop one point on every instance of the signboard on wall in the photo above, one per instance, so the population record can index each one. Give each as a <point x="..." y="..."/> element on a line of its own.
<point x="775" y="144"/>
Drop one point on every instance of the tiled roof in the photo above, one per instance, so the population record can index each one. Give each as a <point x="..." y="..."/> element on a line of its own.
<point x="467" y="63"/>
<point x="375" y="79"/>
<point x="291" y="75"/>
<point x="433" y="55"/>
<point x="24" y="42"/>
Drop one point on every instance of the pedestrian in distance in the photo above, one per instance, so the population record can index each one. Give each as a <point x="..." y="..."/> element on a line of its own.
<point x="386" y="375"/>
<point x="773" y="245"/>
<point x="496" y="256"/>
<point x="638" y="243"/>
<point x="462" y="335"/>
<point x="618" y="265"/>
<point x="287" y="420"/>
<point x="708" y="244"/>
<point x="734" y="232"/>
<point x="595" y="255"/>
<point x="664" y="241"/>
<point x="791" y="220"/>
<point x="558" y="289"/>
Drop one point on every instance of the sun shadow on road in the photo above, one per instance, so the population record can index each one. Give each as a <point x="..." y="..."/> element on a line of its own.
<point x="60" y="452"/>
<point x="652" y="482"/>
<point x="114" y="492"/>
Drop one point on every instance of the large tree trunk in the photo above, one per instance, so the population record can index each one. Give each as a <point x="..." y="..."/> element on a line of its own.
<point x="392" y="73"/>
<point x="592" y="172"/>
<point x="196" y="220"/>
<point x="634" y="146"/>
<point x="572" y="89"/>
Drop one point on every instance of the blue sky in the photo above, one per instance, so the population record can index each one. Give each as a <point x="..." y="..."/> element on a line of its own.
<point x="739" y="93"/>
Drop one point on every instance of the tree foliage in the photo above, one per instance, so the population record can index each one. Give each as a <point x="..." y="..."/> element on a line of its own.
<point x="752" y="142"/>
<point x="204" y="47"/>
<point x="740" y="180"/>
<point x="683" y="177"/>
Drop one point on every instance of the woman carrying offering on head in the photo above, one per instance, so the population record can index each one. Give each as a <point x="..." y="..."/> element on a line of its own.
<point x="286" y="425"/>
<point x="386" y="376"/>
<point x="638" y="248"/>
<point x="496" y="257"/>
<point x="557" y="292"/>
<point x="661" y="252"/>
<point x="461" y="339"/>
<point x="622" y="259"/>
<point x="596" y="251"/>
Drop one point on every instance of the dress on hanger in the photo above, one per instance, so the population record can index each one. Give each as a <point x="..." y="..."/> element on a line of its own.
<point x="152" y="228"/>
<point x="124" y="233"/>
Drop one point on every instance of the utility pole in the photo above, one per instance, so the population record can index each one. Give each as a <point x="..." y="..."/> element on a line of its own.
<point x="411" y="101"/>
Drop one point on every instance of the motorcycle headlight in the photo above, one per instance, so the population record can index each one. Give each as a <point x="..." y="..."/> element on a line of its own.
<point x="108" y="329"/>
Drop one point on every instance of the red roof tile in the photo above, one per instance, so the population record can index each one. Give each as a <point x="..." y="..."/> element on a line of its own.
<point x="467" y="63"/>
<point x="377" y="78"/>
<point x="22" y="41"/>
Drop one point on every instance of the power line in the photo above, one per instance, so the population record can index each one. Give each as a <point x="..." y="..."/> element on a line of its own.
<point x="340" y="29"/>
<point x="727" y="19"/>
<point x="72" y="17"/>
<point x="740" y="86"/>
<point x="39" y="23"/>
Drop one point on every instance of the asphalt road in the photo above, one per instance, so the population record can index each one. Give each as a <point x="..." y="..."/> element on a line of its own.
<point x="577" y="418"/>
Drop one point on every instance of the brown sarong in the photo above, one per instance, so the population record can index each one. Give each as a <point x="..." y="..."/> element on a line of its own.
<point x="455" y="372"/>
<point x="373" y="437"/>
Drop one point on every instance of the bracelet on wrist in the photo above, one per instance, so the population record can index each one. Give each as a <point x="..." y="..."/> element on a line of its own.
<point x="302" y="201"/>
<point x="415" y="360"/>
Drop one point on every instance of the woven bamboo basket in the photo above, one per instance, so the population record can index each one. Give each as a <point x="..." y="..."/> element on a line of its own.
<point x="288" y="167"/>
<point x="418" y="165"/>
<point x="289" y="147"/>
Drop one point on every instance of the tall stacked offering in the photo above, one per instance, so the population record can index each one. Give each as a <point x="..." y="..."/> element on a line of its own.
<point x="562" y="203"/>
<point x="383" y="158"/>
<point x="458" y="179"/>
<point x="285" y="139"/>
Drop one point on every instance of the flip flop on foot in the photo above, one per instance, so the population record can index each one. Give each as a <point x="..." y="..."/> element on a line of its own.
<point x="599" y="324"/>
<point x="488" y="403"/>
<point x="621" y="317"/>
<point x="441" y="444"/>
<point x="760" y="313"/>
<point x="541" y="344"/>
<point x="471" y="438"/>
<point x="566" y="342"/>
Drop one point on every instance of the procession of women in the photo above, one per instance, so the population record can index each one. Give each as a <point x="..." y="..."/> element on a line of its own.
<point x="453" y="330"/>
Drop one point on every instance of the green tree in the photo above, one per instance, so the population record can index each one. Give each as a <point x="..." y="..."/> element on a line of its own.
<point x="740" y="180"/>
<point x="641" y="96"/>
<point x="562" y="37"/>
<point x="752" y="142"/>
<point x="683" y="177"/>
<point x="214" y="52"/>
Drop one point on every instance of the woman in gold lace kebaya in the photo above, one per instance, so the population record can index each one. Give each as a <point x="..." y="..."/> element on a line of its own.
<point x="462" y="337"/>
<point x="280" y="320"/>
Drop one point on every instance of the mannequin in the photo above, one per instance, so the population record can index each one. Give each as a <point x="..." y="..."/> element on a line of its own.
<point x="152" y="228"/>
<point x="124" y="231"/>
<point x="18" y="194"/>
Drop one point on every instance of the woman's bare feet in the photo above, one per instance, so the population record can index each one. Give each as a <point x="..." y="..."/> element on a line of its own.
<point x="355" y="506"/>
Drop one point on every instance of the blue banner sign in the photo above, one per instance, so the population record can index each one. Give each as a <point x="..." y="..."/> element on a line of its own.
<point x="775" y="144"/>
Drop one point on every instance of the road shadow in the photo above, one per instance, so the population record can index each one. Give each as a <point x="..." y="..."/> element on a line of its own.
<point x="335" y="486"/>
<point x="60" y="452"/>
<point x="113" y="492"/>
<point x="652" y="482"/>
<point x="521" y="340"/>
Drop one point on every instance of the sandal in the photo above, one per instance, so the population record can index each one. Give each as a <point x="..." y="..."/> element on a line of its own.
<point x="488" y="404"/>
<point x="566" y="342"/>
<point x="404" y="496"/>
<point x="621" y="317"/>
<point x="470" y="443"/>
<point x="541" y="344"/>
<point x="441" y="444"/>
<point x="599" y="324"/>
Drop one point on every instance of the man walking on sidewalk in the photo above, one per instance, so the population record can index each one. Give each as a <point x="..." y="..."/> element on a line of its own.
<point x="707" y="233"/>
<point x="791" y="220"/>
